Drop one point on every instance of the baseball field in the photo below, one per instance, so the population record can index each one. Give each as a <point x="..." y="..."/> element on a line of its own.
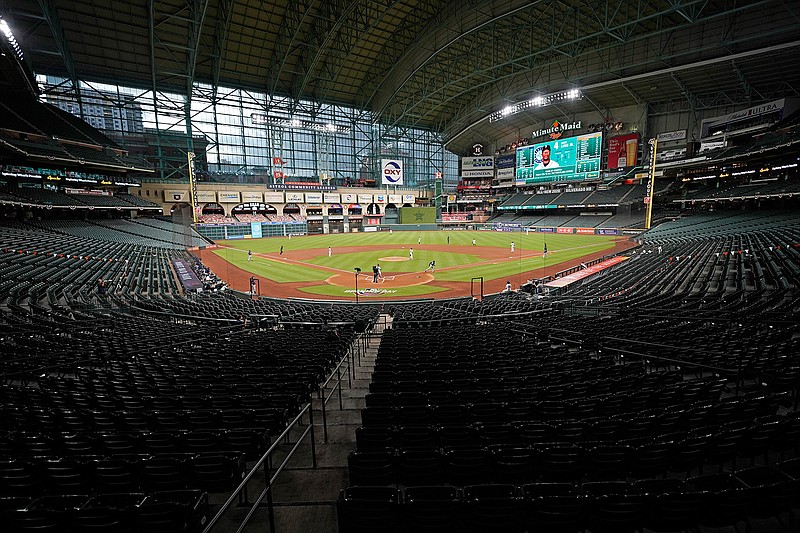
<point x="324" y="266"/>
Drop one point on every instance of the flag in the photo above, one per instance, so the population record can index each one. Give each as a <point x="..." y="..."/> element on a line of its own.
<point x="278" y="161"/>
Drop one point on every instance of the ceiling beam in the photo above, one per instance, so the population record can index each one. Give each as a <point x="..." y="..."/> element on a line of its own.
<point x="50" y="13"/>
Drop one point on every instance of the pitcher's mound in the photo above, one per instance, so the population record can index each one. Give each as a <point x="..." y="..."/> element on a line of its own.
<point x="393" y="258"/>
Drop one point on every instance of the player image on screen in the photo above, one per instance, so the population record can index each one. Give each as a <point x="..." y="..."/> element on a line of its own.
<point x="546" y="161"/>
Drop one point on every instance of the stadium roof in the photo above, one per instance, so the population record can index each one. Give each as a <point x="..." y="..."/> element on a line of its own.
<point x="437" y="64"/>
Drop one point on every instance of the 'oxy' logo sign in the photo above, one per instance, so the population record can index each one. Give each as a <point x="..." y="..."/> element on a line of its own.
<point x="392" y="172"/>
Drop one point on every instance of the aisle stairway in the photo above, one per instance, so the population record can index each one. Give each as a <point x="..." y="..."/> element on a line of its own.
<point x="305" y="497"/>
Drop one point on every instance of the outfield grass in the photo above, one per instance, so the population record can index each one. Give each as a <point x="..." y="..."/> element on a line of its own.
<point x="561" y="248"/>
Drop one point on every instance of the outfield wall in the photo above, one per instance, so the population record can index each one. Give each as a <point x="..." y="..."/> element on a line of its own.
<point x="418" y="215"/>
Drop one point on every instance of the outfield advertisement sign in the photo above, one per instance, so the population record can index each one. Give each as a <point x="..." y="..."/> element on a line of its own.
<point x="477" y="163"/>
<point x="273" y="197"/>
<point x="506" y="161"/>
<point x="409" y="199"/>
<point x="604" y="231"/>
<point x="349" y="198"/>
<point x="229" y="196"/>
<point x="365" y="199"/>
<point x="547" y="230"/>
<point x="295" y="197"/>
<point x="206" y="196"/>
<point x="176" y="196"/>
<point x="395" y="199"/>
<point x="252" y="197"/>
<point x="564" y="230"/>
<point x="314" y="197"/>
<point x="392" y="172"/>
<point x="485" y="173"/>
<point x="505" y="173"/>
<point x="331" y="198"/>
<point x="255" y="230"/>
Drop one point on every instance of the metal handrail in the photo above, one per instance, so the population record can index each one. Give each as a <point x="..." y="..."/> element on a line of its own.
<point x="264" y="459"/>
<point x="261" y="461"/>
<point x="338" y="386"/>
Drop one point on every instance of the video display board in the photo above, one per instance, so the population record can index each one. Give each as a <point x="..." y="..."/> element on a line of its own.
<point x="571" y="159"/>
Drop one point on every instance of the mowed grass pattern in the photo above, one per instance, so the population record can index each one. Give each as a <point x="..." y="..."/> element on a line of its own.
<point x="450" y="266"/>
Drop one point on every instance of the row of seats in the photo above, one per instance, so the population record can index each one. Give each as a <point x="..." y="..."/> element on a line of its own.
<point x="665" y="425"/>
<point x="250" y="441"/>
<point x="176" y="511"/>
<point x="711" y="500"/>
<point x="20" y="418"/>
<point x="465" y="463"/>
<point x="676" y="414"/>
<point x="93" y="474"/>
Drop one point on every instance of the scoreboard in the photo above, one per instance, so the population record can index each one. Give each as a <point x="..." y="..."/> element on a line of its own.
<point x="572" y="159"/>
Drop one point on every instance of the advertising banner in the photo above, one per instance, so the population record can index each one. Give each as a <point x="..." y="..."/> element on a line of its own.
<point x="380" y="198"/>
<point x="250" y="196"/>
<point x="188" y="278"/>
<point x="564" y="230"/>
<point x="392" y="172"/>
<point x="295" y="197"/>
<point x="314" y="197"/>
<point x="409" y="199"/>
<point x="275" y="197"/>
<point x="547" y="230"/>
<point x="506" y="161"/>
<point x="488" y="173"/>
<point x="606" y="231"/>
<point x="349" y="198"/>
<point x="229" y="196"/>
<point x="669" y="136"/>
<point x="505" y="173"/>
<point x="477" y="163"/>
<point x="585" y="231"/>
<point x="176" y="196"/>
<point x="206" y="196"/>
<point x="255" y="230"/>
<point x="331" y="198"/>
<point x="365" y="199"/>
<point x="395" y="199"/>
<point x="622" y="150"/>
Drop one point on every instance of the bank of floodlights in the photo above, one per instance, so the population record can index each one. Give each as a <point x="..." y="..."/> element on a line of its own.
<point x="298" y="124"/>
<point x="536" y="101"/>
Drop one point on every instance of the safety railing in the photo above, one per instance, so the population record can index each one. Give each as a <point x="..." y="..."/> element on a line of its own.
<point x="271" y="473"/>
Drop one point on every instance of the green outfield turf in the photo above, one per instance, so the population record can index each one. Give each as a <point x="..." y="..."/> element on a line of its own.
<point x="461" y="264"/>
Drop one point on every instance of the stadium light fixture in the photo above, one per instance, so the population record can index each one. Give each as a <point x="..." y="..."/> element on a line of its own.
<point x="9" y="35"/>
<point x="536" y="101"/>
<point x="296" y="123"/>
